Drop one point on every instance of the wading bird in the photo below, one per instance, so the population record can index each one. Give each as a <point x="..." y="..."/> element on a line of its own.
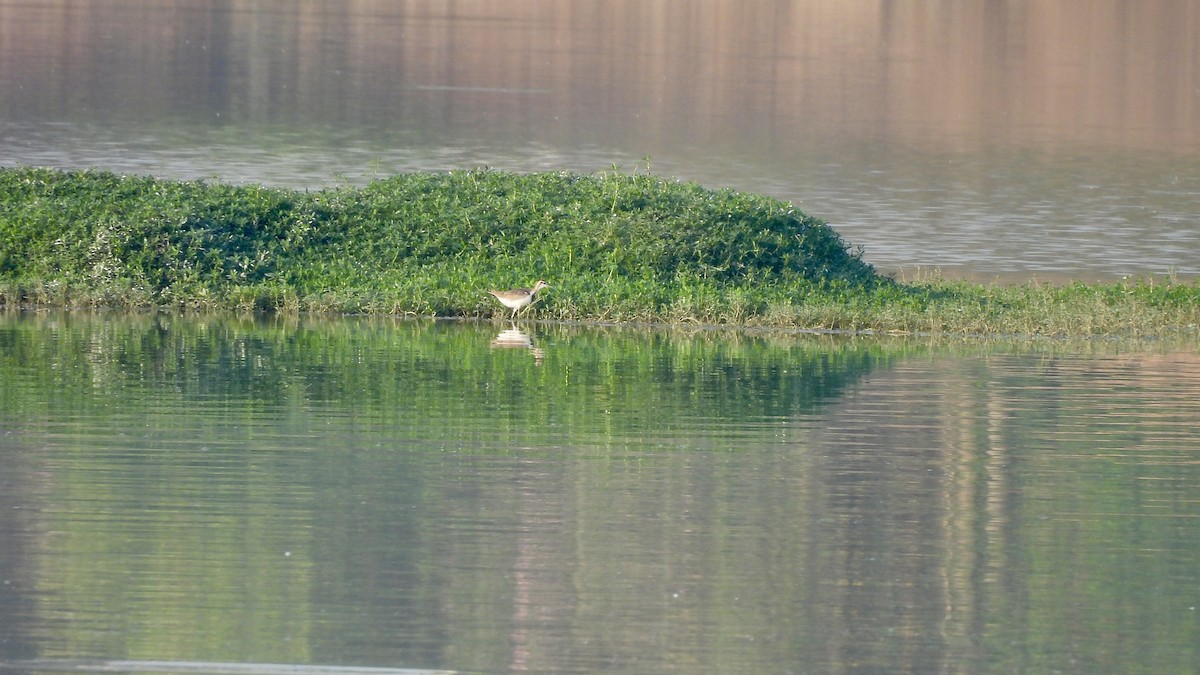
<point x="518" y="298"/>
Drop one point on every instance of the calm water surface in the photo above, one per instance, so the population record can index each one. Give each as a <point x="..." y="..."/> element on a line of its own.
<point x="182" y="492"/>
<point x="1008" y="139"/>
<point x="475" y="497"/>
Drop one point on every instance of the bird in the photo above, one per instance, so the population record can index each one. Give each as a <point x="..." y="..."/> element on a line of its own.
<point x="517" y="299"/>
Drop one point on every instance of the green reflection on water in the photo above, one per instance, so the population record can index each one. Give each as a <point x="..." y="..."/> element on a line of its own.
<point x="438" y="376"/>
<point x="191" y="475"/>
<point x="435" y="494"/>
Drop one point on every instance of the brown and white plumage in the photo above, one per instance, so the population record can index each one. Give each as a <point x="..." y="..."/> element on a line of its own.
<point x="517" y="299"/>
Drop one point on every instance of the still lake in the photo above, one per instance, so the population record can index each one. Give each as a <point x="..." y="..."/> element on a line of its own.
<point x="215" y="494"/>
<point x="548" y="498"/>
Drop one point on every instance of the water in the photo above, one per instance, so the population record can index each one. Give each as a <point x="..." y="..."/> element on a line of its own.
<point x="988" y="139"/>
<point x="305" y="496"/>
<point x="208" y="492"/>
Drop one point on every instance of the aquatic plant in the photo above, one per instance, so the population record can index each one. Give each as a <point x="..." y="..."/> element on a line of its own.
<point x="423" y="243"/>
<point x="613" y="246"/>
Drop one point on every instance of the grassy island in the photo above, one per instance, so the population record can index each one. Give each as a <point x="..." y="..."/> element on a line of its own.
<point x="613" y="246"/>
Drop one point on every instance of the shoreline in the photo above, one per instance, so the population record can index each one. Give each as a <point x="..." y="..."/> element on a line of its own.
<point x="616" y="248"/>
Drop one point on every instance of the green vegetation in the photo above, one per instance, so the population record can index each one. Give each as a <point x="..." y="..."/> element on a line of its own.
<point x="614" y="247"/>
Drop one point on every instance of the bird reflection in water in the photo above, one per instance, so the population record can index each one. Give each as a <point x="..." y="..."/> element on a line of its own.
<point x="515" y="338"/>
